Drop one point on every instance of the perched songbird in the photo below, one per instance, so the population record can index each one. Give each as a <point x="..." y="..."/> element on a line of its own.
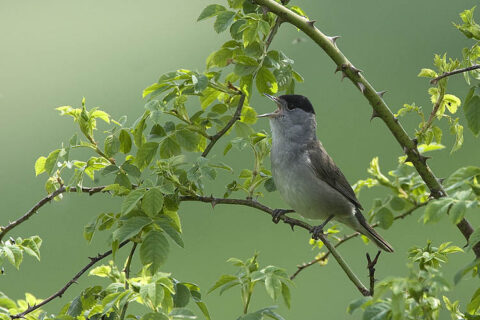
<point x="304" y="173"/>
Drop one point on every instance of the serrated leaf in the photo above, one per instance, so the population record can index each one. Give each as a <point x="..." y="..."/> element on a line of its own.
<point x="169" y="148"/>
<point x="166" y="225"/>
<point x="130" y="228"/>
<point x="125" y="141"/>
<point x="223" y="21"/>
<point x="112" y="145"/>
<point x="146" y="153"/>
<point x="248" y="115"/>
<point x="131" y="200"/>
<point x="210" y="11"/>
<point x="266" y="82"/>
<point x="187" y="139"/>
<point x="429" y="73"/>
<point x="181" y="296"/>
<point x="471" y="110"/>
<point x="152" y="202"/>
<point x="436" y="209"/>
<point x="154" y="250"/>
<point x="40" y="165"/>
<point x="457" y="211"/>
<point x="224" y="279"/>
<point x="286" y="295"/>
<point x="51" y="161"/>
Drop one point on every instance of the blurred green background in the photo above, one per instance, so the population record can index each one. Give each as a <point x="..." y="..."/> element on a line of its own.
<point x="55" y="52"/>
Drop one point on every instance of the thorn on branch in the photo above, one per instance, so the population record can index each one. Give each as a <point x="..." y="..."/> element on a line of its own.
<point x="361" y="86"/>
<point x="424" y="159"/>
<point x="415" y="141"/>
<point x="381" y="93"/>
<point x="355" y="70"/>
<point x="333" y="40"/>
<point x="311" y="22"/>
<point x="341" y="67"/>
<point x="395" y="118"/>
<point x="441" y="180"/>
<point x="374" y="115"/>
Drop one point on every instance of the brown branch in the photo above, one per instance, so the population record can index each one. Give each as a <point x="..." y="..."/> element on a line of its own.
<point x="60" y="292"/>
<point x="219" y="134"/>
<point x="375" y="98"/>
<point x="371" y="271"/>
<point x="292" y="222"/>
<point x="41" y="203"/>
<point x="127" y="276"/>
<point x="451" y="73"/>
<point x="305" y="265"/>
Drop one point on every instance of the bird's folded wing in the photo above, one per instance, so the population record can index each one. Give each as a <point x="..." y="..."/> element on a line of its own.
<point x="325" y="169"/>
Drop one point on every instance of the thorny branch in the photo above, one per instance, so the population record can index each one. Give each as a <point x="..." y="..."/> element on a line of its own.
<point x="60" y="292"/>
<point x="451" y="73"/>
<point x="292" y="222"/>
<point x="380" y="108"/>
<point x="303" y="266"/>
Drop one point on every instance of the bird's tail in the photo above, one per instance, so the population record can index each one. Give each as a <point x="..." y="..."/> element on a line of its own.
<point x="370" y="233"/>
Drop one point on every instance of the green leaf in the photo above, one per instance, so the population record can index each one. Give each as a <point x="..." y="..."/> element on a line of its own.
<point x="155" y="316"/>
<point x="451" y="102"/>
<point x="145" y="154"/>
<point x="154" y="250"/>
<point x="31" y="247"/>
<point x="355" y="304"/>
<point x="125" y="141"/>
<point x="436" y="209"/>
<point x="181" y="296"/>
<point x="223" y="21"/>
<point x="471" y="110"/>
<point x="457" y="211"/>
<point x="384" y="217"/>
<point x="248" y="115"/>
<point x="266" y="82"/>
<point x="462" y="174"/>
<point x="169" y="148"/>
<point x="131" y="200"/>
<point x="208" y="96"/>
<point x="122" y="180"/>
<point x="286" y="295"/>
<point x="377" y="311"/>
<point x="40" y="165"/>
<point x="246" y="60"/>
<point x="270" y="185"/>
<point x="131" y="170"/>
<point x="182" y="313"/>
<point x="224" y="279"/>
<point x="168" y="225"/>
<point x="474" y="304"/>
<point x="75" y="308"/>
<point x="51" y="161"/>
<point x="273" y="286"/>
<point x="152" y="202"/>
<point x="397" y="203"/>
<point x="188" y="139"/>
<point x="112" y="145"/>
<point x="211" y="11"/>
<point x="130" y="228"/>
<point x="429" y="73"/>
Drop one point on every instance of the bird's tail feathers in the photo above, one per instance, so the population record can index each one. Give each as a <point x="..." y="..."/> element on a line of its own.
<point x="370" y="233"/>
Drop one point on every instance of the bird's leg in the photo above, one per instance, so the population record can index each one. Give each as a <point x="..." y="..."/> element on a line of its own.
<point x="318" y="230"/>
<point x="278" y="213"/>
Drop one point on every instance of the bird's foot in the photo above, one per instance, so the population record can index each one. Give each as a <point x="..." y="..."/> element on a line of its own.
<point x="317" y="231"/>
<point x="278" y="213"/>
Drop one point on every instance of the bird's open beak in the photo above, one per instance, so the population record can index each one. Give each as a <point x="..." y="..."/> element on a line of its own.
<point x="274" y="113"/>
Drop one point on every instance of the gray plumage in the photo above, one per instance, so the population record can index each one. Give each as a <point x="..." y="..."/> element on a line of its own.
<point x="305" y="175"/>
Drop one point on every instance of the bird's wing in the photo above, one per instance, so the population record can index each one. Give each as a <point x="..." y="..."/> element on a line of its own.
<point x="325" y="169"/>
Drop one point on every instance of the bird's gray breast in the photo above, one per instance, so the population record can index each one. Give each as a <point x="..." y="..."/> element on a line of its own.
<point x="301" y="188"/>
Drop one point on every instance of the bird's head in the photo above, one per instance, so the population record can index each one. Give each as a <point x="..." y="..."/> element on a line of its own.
<point x="294" y="116"/>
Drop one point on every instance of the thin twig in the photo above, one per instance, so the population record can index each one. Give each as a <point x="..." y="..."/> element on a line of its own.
<point x="436" y="106"/>
<point x="451" y="73"/>
<point x="127" y="276"/>
<point x="219" y="134"/>
<point x="238" y="111"/>
<point x="41" y="203"/>
<point x="374" y="98"/>
<point x="60" y="292"/>
<point x="371" y="272"/>
<point x="305" y="265"/>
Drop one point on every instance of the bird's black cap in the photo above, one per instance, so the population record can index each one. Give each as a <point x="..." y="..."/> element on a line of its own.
<point x="298" y="101"/>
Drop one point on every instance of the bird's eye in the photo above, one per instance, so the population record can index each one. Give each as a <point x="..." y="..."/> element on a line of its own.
<point x="290" y="107"/>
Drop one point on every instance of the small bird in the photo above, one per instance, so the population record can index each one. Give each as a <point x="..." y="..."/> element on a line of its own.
<point x="306" y="176"/>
